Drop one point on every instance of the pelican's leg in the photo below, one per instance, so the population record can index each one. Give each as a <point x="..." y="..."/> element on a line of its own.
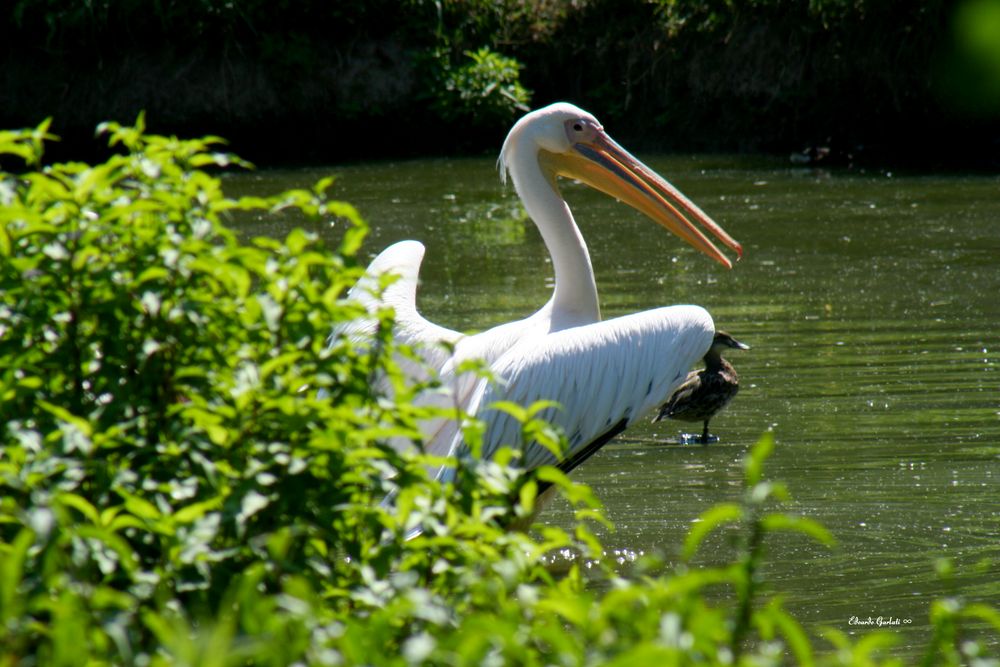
<point x="704" y="434"/>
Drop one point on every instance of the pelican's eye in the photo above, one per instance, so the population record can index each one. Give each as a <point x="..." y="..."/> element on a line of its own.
<point x="580" y="129"/>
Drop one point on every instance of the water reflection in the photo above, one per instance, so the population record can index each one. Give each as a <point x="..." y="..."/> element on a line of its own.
<point x="871" y="304"/>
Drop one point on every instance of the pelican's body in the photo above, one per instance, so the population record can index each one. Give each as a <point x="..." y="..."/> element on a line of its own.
<point x="604" y="375"/>
<point x="706" y="392"/>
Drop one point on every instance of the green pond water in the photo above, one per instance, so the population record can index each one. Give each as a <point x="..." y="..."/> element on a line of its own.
<point x="871" y="301"/>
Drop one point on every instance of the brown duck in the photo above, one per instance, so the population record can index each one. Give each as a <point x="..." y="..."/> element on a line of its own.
<point x="704" y="393"/>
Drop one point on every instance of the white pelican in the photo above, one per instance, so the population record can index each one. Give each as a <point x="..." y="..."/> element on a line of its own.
<point x="604" y="375"/>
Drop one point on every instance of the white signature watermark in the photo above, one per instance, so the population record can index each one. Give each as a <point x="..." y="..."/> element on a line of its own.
<point x="879" y="621"/>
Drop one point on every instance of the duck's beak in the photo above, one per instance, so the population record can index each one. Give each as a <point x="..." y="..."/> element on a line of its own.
<point x="604" y="165"/>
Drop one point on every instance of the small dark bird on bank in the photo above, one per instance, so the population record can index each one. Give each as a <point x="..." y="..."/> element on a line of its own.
<point x="704" y="393"/>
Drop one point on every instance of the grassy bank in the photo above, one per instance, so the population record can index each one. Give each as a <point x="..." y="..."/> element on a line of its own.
<point x="325" y="82"/>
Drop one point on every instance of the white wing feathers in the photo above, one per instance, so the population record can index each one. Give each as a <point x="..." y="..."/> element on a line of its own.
<point x="604" y="376"/>
<point x="441" y="350"/>
<point x="402" y="260"/>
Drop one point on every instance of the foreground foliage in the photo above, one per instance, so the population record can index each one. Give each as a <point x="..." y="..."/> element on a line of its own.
<point x="192" y="473"/>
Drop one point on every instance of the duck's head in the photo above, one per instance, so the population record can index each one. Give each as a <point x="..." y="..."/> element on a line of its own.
<point x="724" y="341"/>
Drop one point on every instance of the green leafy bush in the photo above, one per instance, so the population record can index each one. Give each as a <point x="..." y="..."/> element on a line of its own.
<point x="193" y="468"/>
<point x="170" y="478"/>
<point x="485" y="90"/>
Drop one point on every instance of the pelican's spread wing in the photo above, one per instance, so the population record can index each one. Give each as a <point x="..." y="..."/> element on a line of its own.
<point x="442" y="351"/>
<point x="604" y="377"/>
<point x="402" y="260"/>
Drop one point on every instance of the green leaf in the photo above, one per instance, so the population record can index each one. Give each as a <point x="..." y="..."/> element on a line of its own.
<point x="574" y="610"/>
<point x="810" y="528"/>
<point x="12" y="561"/>
<point x="122" y="521"/>
<point x="121" y="547"/>
<point x="80" y="504"/>
<point x="64" y="415"/>
<point x="516" y="411"/>
<point x="30" y="382"/>
<point x="219" y="435"/>
<point x="252" y="503"/>
<point x="709" y="520"/>
<point x="526" y="496"/>
<point x="753" y="464"/>
<point x="194" y="511"/>
<point x="140" y="507"/>
<point x="152" y="273"/>
<point x="983" y="612"/>
<point x="790" y="629"/>
<point x="5" y="244"/>
<point x="297" y="241"/>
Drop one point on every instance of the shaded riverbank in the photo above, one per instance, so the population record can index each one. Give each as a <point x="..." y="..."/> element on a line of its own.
<point x="313" y="82"/>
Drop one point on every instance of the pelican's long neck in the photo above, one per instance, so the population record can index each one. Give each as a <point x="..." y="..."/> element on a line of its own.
<point x="574" y="301"/>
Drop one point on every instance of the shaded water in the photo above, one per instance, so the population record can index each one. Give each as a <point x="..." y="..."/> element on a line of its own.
<point x="871" y="302"/>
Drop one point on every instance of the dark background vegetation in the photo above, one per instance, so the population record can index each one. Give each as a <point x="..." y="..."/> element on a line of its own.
<point x="326" y="81"/>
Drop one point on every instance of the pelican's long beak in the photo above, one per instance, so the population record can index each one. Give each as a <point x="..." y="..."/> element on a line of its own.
<point x="604" y="165"/>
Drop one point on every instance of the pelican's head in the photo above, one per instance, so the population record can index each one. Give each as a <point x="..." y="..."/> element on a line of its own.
<point x="572" y="143"/>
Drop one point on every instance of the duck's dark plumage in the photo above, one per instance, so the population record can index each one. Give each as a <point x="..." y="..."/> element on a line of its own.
<point x="704" y="393"/>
